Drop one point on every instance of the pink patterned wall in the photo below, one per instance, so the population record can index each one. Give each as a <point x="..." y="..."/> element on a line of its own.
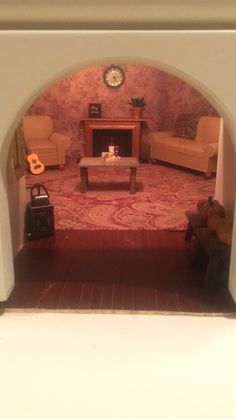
<point x="165" y="95"/>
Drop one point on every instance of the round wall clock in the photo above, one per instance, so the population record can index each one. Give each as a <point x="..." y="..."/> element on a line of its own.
<point x="114" y="76"/>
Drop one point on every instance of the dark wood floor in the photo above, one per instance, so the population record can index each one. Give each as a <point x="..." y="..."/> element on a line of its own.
<point x="114" y="270"/>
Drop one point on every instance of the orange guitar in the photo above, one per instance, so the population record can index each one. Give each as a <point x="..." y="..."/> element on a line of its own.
<point x="35" y="166"/>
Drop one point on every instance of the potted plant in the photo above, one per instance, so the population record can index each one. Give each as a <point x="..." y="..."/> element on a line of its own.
<point x="138" y="103"/>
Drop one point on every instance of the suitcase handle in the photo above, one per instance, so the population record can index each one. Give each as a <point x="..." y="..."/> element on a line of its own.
<point x="38" y="186"/>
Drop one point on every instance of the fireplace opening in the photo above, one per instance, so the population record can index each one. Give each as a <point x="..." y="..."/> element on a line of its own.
<point x="102" y="138"/>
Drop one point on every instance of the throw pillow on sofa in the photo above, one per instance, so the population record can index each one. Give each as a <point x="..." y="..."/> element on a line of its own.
<point x="186" y="126"/>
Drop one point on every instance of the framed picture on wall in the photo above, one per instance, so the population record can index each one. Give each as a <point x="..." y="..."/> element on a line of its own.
<point x="95" y="110"/>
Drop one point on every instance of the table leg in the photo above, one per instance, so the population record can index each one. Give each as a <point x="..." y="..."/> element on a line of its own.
<point x="132" y="179"/>
<point x="84" y="179"/>
<point x="87" y="181"/>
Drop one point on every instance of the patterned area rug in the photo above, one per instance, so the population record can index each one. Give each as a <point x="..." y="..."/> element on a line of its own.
<point x="163" y="195"/>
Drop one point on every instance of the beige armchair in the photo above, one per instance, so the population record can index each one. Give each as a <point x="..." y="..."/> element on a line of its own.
<point x="48" y="145"/>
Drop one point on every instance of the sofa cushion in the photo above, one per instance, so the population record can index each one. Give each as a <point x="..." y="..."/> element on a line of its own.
<point x="179" y="145"/>
<point x="186" y="126"/>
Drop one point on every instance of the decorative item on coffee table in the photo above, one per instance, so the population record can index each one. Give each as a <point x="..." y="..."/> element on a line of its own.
<point x="116" y="151"/>
<point x="112" y="154"/>
<point x="111" y="146"/>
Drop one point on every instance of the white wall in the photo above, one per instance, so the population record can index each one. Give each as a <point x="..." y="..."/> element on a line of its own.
<point x="31" y="61"/>
<point x="16" y="200"/>
<point x="226" y="173"/>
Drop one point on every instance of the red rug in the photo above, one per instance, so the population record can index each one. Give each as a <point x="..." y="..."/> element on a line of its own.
<point x="163" y="195"/>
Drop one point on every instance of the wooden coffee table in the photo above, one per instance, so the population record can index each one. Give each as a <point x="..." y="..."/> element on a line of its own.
<point x="85" y="163"/>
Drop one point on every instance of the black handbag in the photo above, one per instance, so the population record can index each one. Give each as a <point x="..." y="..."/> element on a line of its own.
<point x="39" y="195"/>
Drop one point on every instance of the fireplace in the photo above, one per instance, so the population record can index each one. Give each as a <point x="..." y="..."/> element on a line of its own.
<point x="123" y="132"/>
<point x="102" y="138"/>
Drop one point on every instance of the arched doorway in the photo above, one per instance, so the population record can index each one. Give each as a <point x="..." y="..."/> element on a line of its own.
<point x="66" y="102"/>
<point x="165" y="45"/>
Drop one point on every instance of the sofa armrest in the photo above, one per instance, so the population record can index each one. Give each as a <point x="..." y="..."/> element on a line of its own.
<point x="211" y="149"/>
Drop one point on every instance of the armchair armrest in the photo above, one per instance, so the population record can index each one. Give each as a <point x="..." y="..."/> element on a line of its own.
<point x="211" y="149"/>
<point x="62" y="143"/>
<point x="60" y="140"/>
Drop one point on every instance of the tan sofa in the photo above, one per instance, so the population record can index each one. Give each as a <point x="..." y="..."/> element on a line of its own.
<point x="40" y="138"/>
<point x="199" y="153"/>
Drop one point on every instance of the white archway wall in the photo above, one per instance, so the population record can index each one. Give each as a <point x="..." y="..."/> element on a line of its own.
<point x="31" y="61"/>
<point x="226" y="172"/>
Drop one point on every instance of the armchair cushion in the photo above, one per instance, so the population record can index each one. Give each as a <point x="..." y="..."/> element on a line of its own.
<point x="42" y="147"/>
